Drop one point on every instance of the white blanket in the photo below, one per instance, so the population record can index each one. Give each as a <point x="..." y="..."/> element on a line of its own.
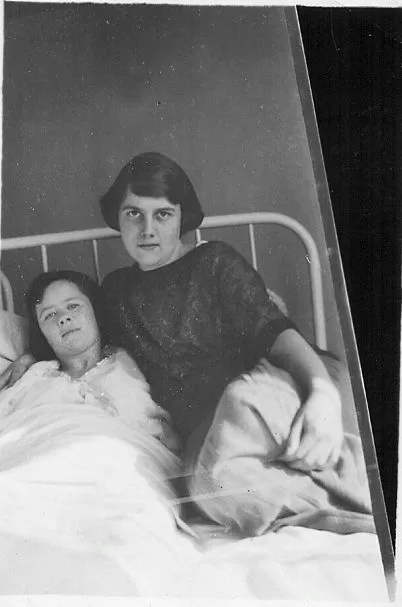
<point x="87" y="512"/>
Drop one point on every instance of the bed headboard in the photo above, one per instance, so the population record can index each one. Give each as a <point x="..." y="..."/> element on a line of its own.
<point x="43" y="241"/>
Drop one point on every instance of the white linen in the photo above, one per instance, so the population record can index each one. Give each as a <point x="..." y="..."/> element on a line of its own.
<point x="96" y="495"/>
<point x="89" y="514"/>
<point x="295" y="563"/>
<point x="13" y="337"/>
<point x="91" y="525"/>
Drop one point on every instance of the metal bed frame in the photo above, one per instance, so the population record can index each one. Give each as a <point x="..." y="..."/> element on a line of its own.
<point x="217" y="221"/>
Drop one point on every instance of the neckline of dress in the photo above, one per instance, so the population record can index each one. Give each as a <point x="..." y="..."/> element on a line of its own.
<point x="107" y="352"/>
<point x="149" y="273"/>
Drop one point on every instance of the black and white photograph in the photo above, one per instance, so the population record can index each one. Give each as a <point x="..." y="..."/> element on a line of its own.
<point x="199" y="332"/>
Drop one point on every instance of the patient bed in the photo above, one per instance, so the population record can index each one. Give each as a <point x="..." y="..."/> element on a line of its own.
<point x="40" y="557"/>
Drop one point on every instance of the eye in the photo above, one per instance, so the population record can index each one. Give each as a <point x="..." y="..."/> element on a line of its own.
<point x="48" y="316"/>
<point x="164" y="214"/>
<point x="73" y="306"/>
<point x="132" y="213"/>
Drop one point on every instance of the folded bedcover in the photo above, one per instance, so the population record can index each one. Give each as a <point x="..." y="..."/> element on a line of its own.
<point x="89" y="515"/>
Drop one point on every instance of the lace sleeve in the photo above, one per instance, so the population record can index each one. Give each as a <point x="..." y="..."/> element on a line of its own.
<point x="253" y="313"/>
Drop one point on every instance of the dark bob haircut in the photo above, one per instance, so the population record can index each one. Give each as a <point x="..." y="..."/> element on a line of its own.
<point x="156" y="176"/>
<point x="38" y="344"/>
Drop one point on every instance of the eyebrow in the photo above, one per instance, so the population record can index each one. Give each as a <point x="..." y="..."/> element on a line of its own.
<point x="133" y="207"/>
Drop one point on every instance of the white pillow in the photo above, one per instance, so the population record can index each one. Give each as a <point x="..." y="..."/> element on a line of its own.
<point x="13" y="337"/>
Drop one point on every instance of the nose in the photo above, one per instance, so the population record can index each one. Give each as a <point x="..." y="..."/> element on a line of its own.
<point x="148" y="226"/>
<point x="64" y="319"/>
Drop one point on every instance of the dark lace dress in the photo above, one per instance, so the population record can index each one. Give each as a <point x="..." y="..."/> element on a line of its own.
<point x="192" y="326"/>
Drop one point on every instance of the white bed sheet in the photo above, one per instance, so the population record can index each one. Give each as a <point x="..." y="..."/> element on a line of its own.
<point x="294" y="564"/>
<point x="72" y="521"/>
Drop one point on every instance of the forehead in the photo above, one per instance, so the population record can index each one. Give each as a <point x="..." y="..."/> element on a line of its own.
<point x="146" y="203"/>
<point x="59" y="291"/>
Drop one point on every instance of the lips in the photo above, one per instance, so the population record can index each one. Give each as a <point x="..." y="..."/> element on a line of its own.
<point x="148" y="247"/>
<point x="69" y="332"/>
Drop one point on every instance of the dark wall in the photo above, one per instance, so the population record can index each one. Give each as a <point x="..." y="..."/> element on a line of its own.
<point x="88" y="86"/>
<point x="354" y="61"/>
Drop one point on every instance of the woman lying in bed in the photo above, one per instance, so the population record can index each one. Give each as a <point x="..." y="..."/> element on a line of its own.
<point x="85" y="453"/>
<point x="65" y="312"/>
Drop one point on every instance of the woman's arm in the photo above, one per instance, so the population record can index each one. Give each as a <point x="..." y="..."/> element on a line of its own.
<point x="16" y="370"/>
<point x="316" y="436"/>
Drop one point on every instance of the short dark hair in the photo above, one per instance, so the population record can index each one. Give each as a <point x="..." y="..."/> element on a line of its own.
<point x="37" y="342"/>
<point x="155" y="175"/>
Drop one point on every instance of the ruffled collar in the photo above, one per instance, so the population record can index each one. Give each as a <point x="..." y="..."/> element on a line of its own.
<point x="55" y="371"/>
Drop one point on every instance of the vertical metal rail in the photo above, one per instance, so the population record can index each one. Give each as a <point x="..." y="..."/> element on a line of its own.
<point x="252" y="245"/>
<point x="45" y="260"/>
<point x="6" y="294"/>
<point x="96" y="259"/>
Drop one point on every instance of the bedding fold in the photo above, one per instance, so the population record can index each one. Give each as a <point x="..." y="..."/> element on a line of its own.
<point x="82" y="496"/>
<point x="75" y="478"/>
<point x="240" y="479"/>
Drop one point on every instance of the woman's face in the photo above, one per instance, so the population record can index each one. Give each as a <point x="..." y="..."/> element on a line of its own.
<point x="67" y="319"/>
<point x="150" y="230"/>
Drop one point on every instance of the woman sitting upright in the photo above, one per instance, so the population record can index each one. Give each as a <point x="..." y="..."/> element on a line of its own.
<point x="196" y="319"/>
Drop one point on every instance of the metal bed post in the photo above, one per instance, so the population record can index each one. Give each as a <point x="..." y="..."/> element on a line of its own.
<point x="45" y="261"/>
<point x="96" y="259"/>
<point x="252" y="245"/>
<point x="6" y="294"/>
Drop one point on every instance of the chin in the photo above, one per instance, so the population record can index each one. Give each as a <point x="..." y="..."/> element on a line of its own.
<point x="149" y="264"/>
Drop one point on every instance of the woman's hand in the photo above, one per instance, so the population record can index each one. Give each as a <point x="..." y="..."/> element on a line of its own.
<point x="316" y="435"/>
<point x="16" y="370"/>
